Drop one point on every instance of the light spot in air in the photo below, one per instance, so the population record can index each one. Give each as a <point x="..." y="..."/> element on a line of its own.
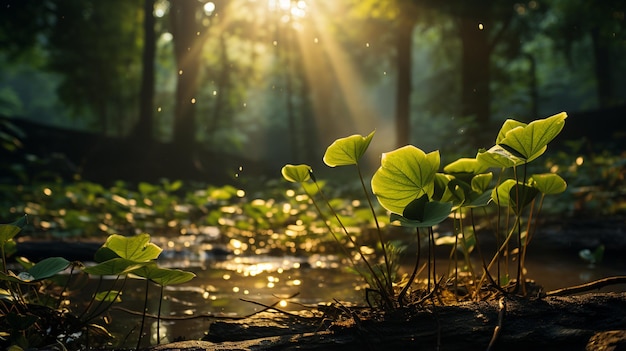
<point x="193" y="100"/>
<point x="579" y="160"/>
<point x="480" y="26"/>
<point x="180" y="72"/>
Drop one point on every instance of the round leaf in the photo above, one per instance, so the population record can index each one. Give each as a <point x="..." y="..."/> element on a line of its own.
<point x="405" y="174"/>
<point x="548" y="183"/>
<point x="135" y="248"/>
<point x="296" y="173"/>
<point x="434" y="213"/>
<point x="347" y="151"/>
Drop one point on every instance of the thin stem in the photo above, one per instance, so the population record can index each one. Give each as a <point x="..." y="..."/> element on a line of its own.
<point x="380" y="236"/>
<point x="143" y="317"/>
<point x="159" y="317"/>
<point x="381" y="286"/>
<point x="414" y="273"/>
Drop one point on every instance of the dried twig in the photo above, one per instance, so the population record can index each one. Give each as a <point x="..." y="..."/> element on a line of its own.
<point x="596" y="284"/>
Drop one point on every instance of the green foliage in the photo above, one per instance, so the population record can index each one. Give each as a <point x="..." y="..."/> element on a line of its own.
<point x="33" y="311"/>
<point x="407" y="184"/>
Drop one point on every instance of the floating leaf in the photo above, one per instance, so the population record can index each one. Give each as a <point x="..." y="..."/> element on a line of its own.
<point x="548" y="183"/>
<point x="531" y="141"/>
<point x="405" y="174"/>
<point x="296" y="173"/>
<point x="348" y="150"/>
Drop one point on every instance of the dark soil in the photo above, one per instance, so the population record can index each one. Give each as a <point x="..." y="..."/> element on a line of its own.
<point x="585" y="322"/>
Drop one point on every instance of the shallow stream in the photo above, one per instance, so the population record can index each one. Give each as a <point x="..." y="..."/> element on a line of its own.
<point x="229" y="286"/>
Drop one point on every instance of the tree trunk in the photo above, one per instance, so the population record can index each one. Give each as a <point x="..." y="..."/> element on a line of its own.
<point x="475" y="75"/>
<point x="404" y="45"/>
<point x="144" y="127"/>
<point x="187" y="50"/>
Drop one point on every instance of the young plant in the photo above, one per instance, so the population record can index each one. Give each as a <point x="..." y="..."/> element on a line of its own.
<point x="398" y="185"/>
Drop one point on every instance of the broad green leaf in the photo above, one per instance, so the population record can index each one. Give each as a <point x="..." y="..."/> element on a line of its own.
<point x="516" y="195"/>
<point x="135" y="248"/>
<point x="296" y="173"/>
<point x="104" y="254"/>
<point x="480" y="182"/>
<point x="348" y="150"/>
<point x="465" y="165"/>
<point x="415" y="209"/>
<point x="497" y="157"/>
<point x="114" y="266"/>
<point x="548" y="183"/>
<point x="442" y="192"/>
<point x="508" y="125"/>
<point x="163" y="276"/>
<point x="500" y="194"/>
<point x="531" y="141"/>
<point x="480" y="200"/>
<point x="48" y="267"/>
<point x="434" y="213"/>
<point x="405" y="174"/>
<point x="8" y="232"/>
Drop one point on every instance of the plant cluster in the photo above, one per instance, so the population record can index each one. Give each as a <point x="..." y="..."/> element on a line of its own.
<point x="35" y="308"/>
<point x="410" y="187"/>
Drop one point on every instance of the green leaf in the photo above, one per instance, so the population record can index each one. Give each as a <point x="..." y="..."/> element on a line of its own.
<point x="548" y="183"/>
<point x="507" y="126"/>
<point x="48" y="267"/>
<point x="514" y="194"/>
<point x="114" y="266"/>
<point x="136" y="248"/>
<point x="8" y="232"/>
<point x="405" y="174"/>
<point x="434" y="213"/>
<point x="348" y="150"/>
<point x="415" y="209"/>
<point x="480" y="182"/>
<point x="531" y="141"/>
<point x="465" y="165"/>
<point x="296" y="173"/>
<point x="498" y="157"/>
<point x="164" y="276"/>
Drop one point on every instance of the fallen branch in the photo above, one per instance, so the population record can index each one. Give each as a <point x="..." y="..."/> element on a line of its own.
<point x="594" y="285"/>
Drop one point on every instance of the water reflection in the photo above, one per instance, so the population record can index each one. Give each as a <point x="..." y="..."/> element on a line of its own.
<point x="223" y="287"/>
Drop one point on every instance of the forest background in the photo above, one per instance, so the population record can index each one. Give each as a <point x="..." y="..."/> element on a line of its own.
<point x="209" y="90"/>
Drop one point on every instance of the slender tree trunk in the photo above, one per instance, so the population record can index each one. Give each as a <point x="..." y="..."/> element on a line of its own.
<point x="144" y="127"/>
<point x="404" y="45"/>
<point x="187" y="49"/>
<point x="475" y="76"/>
